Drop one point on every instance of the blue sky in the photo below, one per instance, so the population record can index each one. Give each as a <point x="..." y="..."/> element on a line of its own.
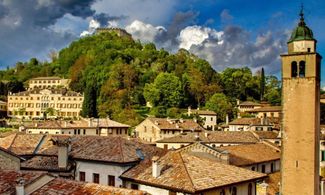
<point x="227" y="33"/>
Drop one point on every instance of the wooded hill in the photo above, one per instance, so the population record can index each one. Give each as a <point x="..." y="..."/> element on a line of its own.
<point x="123" y="74"/>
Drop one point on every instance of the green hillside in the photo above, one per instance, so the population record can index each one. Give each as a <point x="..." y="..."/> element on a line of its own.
<point x="123" y="74"/>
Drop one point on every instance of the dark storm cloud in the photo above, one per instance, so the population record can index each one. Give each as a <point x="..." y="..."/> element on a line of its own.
<point x="26" y="26"/>
<point x="237" y="49"/>
<point x="103" y="18"/>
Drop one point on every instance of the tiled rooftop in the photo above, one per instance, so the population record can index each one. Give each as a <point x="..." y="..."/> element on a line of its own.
<point x="268" y="109"/>
<point x="48" y="163"/>
<point x="249" y="103"/>
<point x="255" y="121"/>
<point x="204" y="112"/>
<point x="273" y="183"/>
<point x="57" y="185"/>
<point x="21" y="144"/>
<point x="82" y="123"/>
<point x="8" y="179"/>
<point x="70" y="187"/>
<point x="109" y="149"/>
<point x="173" y="124"/>
<point x="188" y="173"/>
<point x="213" y="137"/>
<point x="248" y="154"/>
<point x="267" y="134"/>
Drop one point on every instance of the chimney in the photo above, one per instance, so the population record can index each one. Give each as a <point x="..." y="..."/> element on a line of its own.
<point x="65" y="123"/>
<point x="237" y="102"/>
<point x="206" y="134"/>
<point x="227" y="119"/>
<point x="225" y="157"/>
<point x="155" y="167"/>
<point x="189" y="112"/>
<point x="20" y="190"/>
<point x="64" y="147"/>
<point x="90" y="122"/>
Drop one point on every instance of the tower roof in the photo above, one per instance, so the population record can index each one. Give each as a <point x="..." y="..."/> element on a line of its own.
<point x="302" y="31"/>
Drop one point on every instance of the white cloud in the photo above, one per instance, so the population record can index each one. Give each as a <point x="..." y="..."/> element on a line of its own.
<point x="144" y="32"/>
<point x="196" y="35"/>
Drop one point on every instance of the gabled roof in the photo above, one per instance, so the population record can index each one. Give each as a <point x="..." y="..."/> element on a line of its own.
<point x="255" y="121"/>
<point x="176" y="124"/>
<point x="248" y="154"/>
<point x="267" y="134"/>
<point x="204" y="112"/>
<point x="8" y="179"/>
<point x="71" y="187"/>
<point x="249" y="103"/>
<point x="113" y="149"/>
<point x="184" y="172"/>
<point x="213" y="137"/>
<point x="46" y="78"/>
<point x="267" y="109"/>
<point x="22" y="144"/>
<point x="73" y="124"/>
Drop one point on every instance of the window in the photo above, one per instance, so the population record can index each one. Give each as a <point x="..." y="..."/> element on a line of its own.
<point x="259" y="128"/>
<point x="82" y="176"/>
<point x="302" y="65"/>
<point x="269" y="128"/>
<point x="323" y="155"/>
<point x="253" y="168"/>
<point x="223" y="192"/>
<point x="211" y="118"/>
<point x="294" y="69"/>
<point x="308" y="49"/>
<point x="165" y="147"/>
<point x="263" y="168"/>
<point x="84" y="131"/>
<point x="134" y="186"/>
<point x="145" y="129"/>
<point x="95" y="177"/>
<point x="272" y="167"/>
<point x="111" y="180"/>
<point x="250" y="189"/>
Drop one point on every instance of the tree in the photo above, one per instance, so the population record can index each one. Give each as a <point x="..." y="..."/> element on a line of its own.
<point x="166" y="90"/>
<point x="262" y="84"/>
<point x="89" y="105"/>
<point x="219" y="104"/>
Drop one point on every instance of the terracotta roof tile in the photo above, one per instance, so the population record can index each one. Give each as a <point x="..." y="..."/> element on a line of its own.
<point x="70" y="187"/>
<point x="255" y="121"/>
<point x="243" y="155"/>
<point x="188" y="173"/>
<point x="268" y="109"/>
<point x="46" y="163"/>
<point x="204" y="112"/>
<point x="267" y="134"/>
<point x="213" y="137"/>
<point x="249" y="103"/>
<point x="173" y="124"/>
<point x="8" y="179"/>
<point x="273" y="181"/>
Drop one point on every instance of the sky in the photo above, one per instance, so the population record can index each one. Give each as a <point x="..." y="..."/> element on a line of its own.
<point x="227" y="33"/>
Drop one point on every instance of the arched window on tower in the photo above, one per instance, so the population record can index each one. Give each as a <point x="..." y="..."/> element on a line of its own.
<point x="302" y="67"/>
<point x="294" y="69"/>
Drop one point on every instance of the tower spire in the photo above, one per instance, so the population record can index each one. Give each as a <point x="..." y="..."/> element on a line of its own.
<point x="301" y="14"/>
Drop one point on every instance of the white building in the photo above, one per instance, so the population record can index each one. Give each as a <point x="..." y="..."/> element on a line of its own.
<point x="209" y="117"/>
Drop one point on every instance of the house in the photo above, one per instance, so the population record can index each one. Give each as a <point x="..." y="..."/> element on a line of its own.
<point x="209" y="117"/>
<point x="213" y="139"/>
<point x="246" y="106"/>
<point x="261" y="157"/>
<point x="254" y="124"/>
<point x="269" y="136"/>
<point x="186" y="172"/>
<point x="83" y="126"/>
<point x="96" y="159"/>
<point x="39" y="183"/>
<point x="45" y="103"/>
<point x="268" y="111"/>
<point x="153" y="129"/>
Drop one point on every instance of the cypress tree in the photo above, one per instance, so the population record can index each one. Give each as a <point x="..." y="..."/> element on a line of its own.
<point x="89" y="105"/>
<point x="262" y="84"/>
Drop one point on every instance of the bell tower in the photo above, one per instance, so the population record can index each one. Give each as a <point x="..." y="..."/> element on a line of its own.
<point x="300" y="121"/>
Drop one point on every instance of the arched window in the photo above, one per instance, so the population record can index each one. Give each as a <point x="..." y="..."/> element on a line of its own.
<point x="302" y="66"/>
<point x="250" y="189"/>
<point x="223" y="192"/>
<point x="234" y="191"/>
<point x="294" y="69"/>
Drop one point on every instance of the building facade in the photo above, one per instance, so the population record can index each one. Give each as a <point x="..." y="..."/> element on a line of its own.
<point x="209" y="117"/>
<point x="301" y="119"/>
<point x="3" y="109"/>
<point x="47" y="97"/>
<point x="48" y="82"/>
